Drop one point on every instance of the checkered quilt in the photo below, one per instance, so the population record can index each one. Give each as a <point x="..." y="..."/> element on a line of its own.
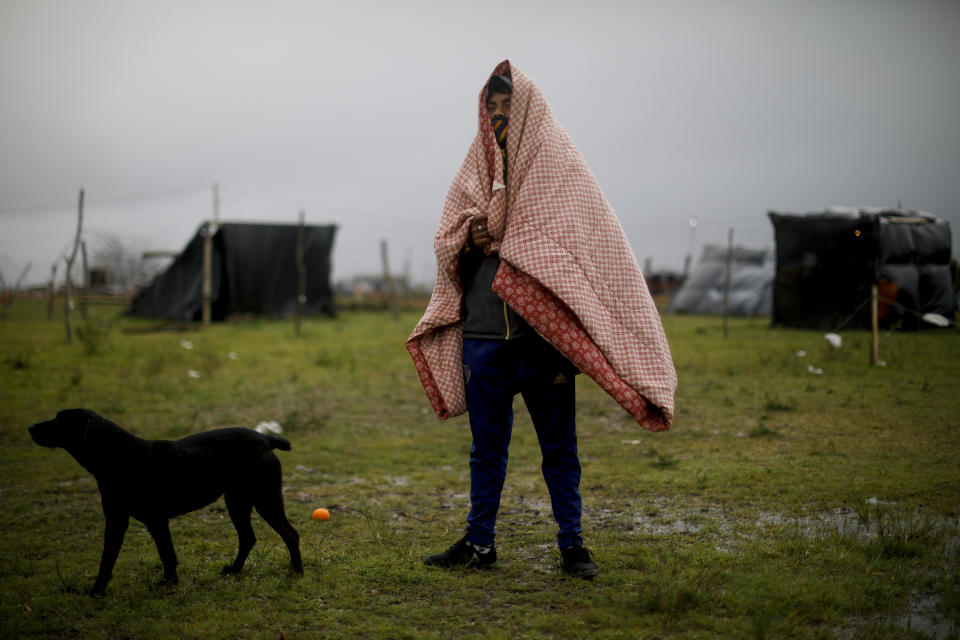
<point x="566" y="266"/>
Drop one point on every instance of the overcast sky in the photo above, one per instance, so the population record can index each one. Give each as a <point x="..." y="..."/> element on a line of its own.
<point x="360" y="113"/>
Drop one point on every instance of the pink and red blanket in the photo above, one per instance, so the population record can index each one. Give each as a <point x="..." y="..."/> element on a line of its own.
<point x="566" y="266"/>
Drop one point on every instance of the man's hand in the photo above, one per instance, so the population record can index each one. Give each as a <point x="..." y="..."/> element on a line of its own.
<point x="479" y="234"/>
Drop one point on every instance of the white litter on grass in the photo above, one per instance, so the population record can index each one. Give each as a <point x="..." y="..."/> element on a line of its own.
<point x="834" y="339"/>
<point x="193" y="374"/>
<point x="233" y="355"/>
<point x="629" y="442"/>
<point x="186" y="344"/>
<point x="935" y="319"/>
<point x="814" y="370"/>
<point x="801" y="354"/>
<point x="268" y="426"/>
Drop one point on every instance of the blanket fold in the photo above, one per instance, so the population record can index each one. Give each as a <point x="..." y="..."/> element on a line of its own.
<point x="566" y="266"/>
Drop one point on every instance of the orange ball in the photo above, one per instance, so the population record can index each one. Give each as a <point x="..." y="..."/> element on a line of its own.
<point x="321" y="514"/>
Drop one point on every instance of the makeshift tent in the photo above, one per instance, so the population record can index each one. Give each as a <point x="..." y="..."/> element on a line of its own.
<point x="254" y="270"/>
<point x="828" y="260"/>
<point x="751" y="280"/>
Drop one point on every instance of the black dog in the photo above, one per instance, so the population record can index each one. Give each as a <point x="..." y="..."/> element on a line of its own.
<point x="155" y="480"/>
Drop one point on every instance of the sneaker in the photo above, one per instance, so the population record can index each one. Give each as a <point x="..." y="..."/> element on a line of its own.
<point x="464" y="553"/>
<point x="576" y="561"/>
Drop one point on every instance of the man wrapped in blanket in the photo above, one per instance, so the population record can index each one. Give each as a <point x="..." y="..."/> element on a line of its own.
<point x="536" y="282"/>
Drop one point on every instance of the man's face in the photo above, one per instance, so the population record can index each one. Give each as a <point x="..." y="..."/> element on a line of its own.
<point x="499" y="105"/>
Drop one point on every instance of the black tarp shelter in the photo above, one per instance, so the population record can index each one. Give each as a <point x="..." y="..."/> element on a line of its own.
<point x="828" y="260"/>
<point x="253" y="270"/>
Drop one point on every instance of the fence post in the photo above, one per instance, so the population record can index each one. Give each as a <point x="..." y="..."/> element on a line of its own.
<point x="11" y="294"/>
<point x="85" y="284"/>
<point x="51" y="291"/>
<point x="874" y="326"/>
<point x="209" y="230"/>
<point x="726" y="281"/>
<point x="207" y="268"/>
<point x="301" y="274"/>
<point x="68" y="298"/>
<point x="388" y="281"/>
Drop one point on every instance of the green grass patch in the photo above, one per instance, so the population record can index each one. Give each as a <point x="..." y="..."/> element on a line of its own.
<point x="783" y="503"/>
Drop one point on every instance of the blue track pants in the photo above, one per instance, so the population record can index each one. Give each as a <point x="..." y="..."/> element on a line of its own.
<point x="495" y="372"/>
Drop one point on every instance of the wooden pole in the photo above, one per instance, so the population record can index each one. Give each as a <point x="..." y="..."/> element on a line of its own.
<point x="85" y="283"/>
<point x="726" y="281"/>
<point x="51" y="291"/>
<point x="874" y="326"/>
<point x="301" y="273"/>
<point x="11" y="294"/>
<point x="388" y="281"/>
<point x="68" y="298"/>
<point x="20" y="278"/>
<point x="209" y="230"/>
<point x="207" y="269"/>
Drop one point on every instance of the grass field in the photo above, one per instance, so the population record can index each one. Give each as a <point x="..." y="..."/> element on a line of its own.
<point x="784" y="503"/>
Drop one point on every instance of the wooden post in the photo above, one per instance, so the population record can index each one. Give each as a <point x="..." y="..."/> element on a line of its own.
<point x="51" y="290"/>
<point x="301" y="274"/>
<point x="388" y="281"/>
<point x="85" y="283"/>
<point x="207" y="269"/>
<point x="693" y="223"/>
<point x="68" y="298"/>
<point x="11" y="294"/>
<point x="726" y="281"/>
<point x="208" y="231"/>
<point x="20" y="278"/>
<point x="874" y="326"/>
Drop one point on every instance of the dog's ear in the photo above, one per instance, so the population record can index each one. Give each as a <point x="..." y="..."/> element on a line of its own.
<point x="75" y="426"/>
<point x="75" y="415"/>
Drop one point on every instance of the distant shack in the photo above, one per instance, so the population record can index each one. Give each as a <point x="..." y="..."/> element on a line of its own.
<point x="827" y="262"/>
<point x="253" y="271"/>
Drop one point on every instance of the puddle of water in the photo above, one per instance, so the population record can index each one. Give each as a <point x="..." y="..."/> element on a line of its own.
<point x="925" y="614"/>
<point x="925" y="617"/>
<point x="838" y="521"/>
<point x="657" y="526"/>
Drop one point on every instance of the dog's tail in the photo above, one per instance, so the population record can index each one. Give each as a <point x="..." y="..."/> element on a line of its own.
<point x="276" y="442"/>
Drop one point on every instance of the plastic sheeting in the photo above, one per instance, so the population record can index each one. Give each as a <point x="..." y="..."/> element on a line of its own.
<point x="827" y="262"/>
<point x="253" y="270"/>
<point x="751" y="281"/>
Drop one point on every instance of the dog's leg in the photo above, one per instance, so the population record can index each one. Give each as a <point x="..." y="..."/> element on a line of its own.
<point x="271" y="510"/>
<point x="160" y="530"/>
<point x="116" y="528"/>
<point x="239" y="508"/>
